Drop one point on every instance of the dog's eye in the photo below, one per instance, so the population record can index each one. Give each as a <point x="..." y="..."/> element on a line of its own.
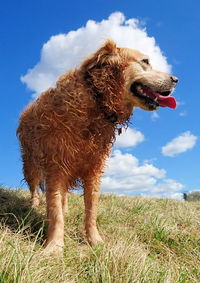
<point x="146" y="61"/>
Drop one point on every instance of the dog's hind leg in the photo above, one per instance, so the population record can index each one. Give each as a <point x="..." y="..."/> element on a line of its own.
<point x="33" y="177"/>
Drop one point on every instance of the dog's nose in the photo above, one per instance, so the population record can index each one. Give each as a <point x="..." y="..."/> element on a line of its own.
<point x="174" y="79"/>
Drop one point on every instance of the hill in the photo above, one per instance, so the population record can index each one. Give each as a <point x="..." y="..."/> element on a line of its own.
<point x="146" y="240"/>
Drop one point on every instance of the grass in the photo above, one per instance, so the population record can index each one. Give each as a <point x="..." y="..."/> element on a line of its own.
<point x="146" y="240"/>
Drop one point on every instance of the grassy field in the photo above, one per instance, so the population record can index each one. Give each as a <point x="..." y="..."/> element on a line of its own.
<point x="146" y="240"/>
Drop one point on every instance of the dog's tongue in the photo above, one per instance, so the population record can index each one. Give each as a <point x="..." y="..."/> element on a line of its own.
<point x="166" y="101"/>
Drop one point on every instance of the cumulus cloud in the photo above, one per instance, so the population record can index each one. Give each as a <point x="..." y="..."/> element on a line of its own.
<point x="124" y="175"/>
<point x="179" y="144"/>
<point x="62" y="52"/>
<point x="167" y="194"/>
<point x="66" y="51"/>
<point x="129" y="137"/>
<point x="154" y="116"/>
<point x="183" y="113"/>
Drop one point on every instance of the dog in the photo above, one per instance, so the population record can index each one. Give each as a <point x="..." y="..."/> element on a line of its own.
<point x="67" y="133"/>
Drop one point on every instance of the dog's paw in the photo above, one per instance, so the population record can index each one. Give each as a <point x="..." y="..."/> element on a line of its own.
<point x="95" y="239"/>
<point x="54" y="248"/>
<point x="35" y="202"/>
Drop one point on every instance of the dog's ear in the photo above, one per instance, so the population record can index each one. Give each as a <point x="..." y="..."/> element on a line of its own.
<point x="108" y="49"/>
<point x="106" y="54"/>
<point x="104" y="76"/>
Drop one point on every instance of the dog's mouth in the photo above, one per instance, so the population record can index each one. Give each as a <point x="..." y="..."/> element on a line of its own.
<point x="152" y="98"/>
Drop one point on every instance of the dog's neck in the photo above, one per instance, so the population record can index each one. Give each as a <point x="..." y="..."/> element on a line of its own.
<point x="110" y="116"/>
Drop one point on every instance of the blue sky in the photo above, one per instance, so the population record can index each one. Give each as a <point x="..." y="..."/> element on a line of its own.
<point x="175" y="25"/>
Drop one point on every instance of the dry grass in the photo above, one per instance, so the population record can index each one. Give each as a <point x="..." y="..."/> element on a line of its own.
<point x="146" y="240"/>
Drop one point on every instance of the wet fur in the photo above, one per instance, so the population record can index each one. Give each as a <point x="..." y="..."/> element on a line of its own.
<point x="68" y="132"/>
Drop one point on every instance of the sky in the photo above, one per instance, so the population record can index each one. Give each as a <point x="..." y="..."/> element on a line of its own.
<point x="158" y="155"/>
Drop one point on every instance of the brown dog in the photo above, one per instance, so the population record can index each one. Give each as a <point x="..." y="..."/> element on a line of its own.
<point x="67" y="133"/>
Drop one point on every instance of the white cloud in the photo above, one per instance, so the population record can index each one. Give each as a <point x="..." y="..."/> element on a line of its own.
<point x="124" y="175"/>
<point x="154" y="115"/>
<point x="183" y="113"/>
<point x="167" y="194"/>
<point x="179" y="144"/>
<point x="129" y="137"/>
<point x="65" y="51"/>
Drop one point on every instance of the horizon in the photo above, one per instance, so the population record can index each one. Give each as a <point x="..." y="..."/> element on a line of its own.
<point x="158" y="155"/>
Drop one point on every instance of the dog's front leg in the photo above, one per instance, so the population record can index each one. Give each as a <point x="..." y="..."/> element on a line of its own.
<point x="55" y="238"/>
<point x="91" y="199"/>
<point x="65" y="202"/>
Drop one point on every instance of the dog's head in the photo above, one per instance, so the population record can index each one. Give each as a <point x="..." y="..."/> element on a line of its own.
<point x="122" y="78"/>
<point x="146" y="87"/>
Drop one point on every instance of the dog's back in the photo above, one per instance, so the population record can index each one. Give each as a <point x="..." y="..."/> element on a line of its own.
<point x="68" y="131"/>
<point x="62" y="130"/>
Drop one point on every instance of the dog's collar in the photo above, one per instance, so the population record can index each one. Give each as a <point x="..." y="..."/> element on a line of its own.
<point x="111" y="117"/>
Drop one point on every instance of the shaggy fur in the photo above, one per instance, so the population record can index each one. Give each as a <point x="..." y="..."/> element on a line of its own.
<point x="67" y="133"/>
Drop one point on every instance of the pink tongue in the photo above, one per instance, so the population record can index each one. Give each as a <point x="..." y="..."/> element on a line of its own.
<point x="167" y="101"/>
<point x="164" y="101"/>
